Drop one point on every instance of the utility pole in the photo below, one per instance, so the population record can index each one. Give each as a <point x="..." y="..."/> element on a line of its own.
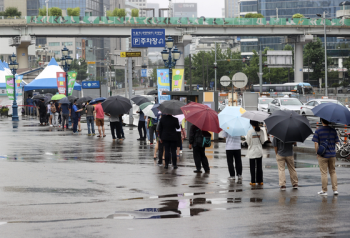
<point x="126" y="77"/>
<point x="215" y="64"/>
<point x="260" y="67"/>
<point x="130" y="88"/>
<point x="203" y="73"/>
<point x="325" y="54"/>
<point x="208" y="73"/>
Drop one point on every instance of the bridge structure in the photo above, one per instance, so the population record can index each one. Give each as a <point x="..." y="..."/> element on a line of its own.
<point x="299" y="30"/>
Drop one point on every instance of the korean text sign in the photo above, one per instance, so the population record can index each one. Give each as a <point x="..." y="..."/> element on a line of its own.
<point x="143" y="38"/>
<point x="163" y="82"/>
<point x="61" y="82"/>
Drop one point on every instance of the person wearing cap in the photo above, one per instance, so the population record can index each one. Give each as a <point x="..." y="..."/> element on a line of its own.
<point x="75" y="116"/>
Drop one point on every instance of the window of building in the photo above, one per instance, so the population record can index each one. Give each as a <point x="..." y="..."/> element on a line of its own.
<point x="70" y="52"/>
<point x="57" y="52"/>
<point x="67" y="43"/>
<point x="54" y="43"/>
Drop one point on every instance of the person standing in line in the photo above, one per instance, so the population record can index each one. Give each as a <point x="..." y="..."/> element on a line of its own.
<point x="167" y="133"/>
<point x="327" y="160"/>
<point x="152" y="127"/>
<point x="200" y="159"/>
<point x="121" y="126"/>
<point x="90" y="118"/>
<point x="49" y="114"/>
<point x="284" y="155"/>
<point x="115" y="129"/>
<point x="65" y="115"/>
<point x="100" y="119"/>
<point x="75" y="115"/>
<point x="142" y="126"/>
<point x="30" y="105"/>
<point x="58" y="109"/>
<point x="54" y="113"/>
<point x="255" y="139"/>
<point x="233" y="150"/>
<point x="159" y="147"/>
<point x="42" y="112"/>
<point x="79" y="124"/>
<point x="179" y="139"/>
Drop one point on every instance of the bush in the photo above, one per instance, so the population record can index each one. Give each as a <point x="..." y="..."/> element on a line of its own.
<point x="298" y="15"/>
<point x="4" y="109"/>
<point x="335" y="85"/>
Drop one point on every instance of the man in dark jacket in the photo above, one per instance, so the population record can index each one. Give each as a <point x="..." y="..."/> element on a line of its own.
<point x="198" y="151"/>
<point x="167" y="133"/>
<point x="42" y="112"/>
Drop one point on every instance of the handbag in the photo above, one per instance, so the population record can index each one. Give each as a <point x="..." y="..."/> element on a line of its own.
<point x="203" y="138"/>
<point x="323" y="146"/>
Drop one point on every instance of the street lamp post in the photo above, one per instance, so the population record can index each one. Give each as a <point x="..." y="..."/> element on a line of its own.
<point x="66" y="61"/>
<point x="14" y="66"/>
<point x="325" y="52"/>
<point x="170" y="57"/>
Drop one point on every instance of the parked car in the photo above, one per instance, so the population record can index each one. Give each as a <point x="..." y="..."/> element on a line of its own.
<point x="263" y="103"/>
<point x="223" y="104"/>
<point x="285" y="103"/>
<point x="306" y="109"/>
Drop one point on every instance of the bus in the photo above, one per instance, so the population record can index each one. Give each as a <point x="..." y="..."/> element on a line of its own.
<point x="286" y="88"/>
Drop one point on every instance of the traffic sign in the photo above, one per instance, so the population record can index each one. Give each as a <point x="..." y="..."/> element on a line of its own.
<point x="225" y="81"/>
<point x="130" y="54"/>
<point x="239" y="80"/>
<point x="143" y="72"/>
<point x="91" y="62"/>
<point x="143" y="38"/>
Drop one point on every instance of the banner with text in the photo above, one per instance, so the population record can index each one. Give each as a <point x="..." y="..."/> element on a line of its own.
<point x="71" y="81"/>
<point x="61" y="82"/>
<point x="163" y="82"/>
<point x="19" y="79"/>
<point x="178" y="79"/>
<point x="9" y="86"/>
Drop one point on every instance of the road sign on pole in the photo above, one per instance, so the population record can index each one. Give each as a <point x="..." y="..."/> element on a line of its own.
<point x="143" y="38"/>
<point x="239" y="80"/>
<point x="225" y="81"/>
<point x="130" y="54"/>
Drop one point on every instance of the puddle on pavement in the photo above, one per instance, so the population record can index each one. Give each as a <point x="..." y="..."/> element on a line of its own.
<point x="296" y="165"/>
<point x="65" y="191"/>
<point x="174" y="209"/>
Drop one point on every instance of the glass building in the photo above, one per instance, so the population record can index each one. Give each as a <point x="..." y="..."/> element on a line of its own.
<point x="33" y="7"/>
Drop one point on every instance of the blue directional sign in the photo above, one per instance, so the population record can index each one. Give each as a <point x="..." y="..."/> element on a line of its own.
<point x="91" y="84"/>
<point x="143" y="38"/>
<point x="212" y="84"/>
<point x="143" y="72"/>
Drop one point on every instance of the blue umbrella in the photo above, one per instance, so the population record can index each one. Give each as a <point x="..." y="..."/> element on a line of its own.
<point x="333" y="113"/>
<point x="94" y="101"/>
<point x="230" y="120"/>
<point x="64" y="101"/>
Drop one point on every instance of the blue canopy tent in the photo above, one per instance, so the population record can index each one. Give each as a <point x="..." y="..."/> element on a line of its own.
<point x="47" y="78"/>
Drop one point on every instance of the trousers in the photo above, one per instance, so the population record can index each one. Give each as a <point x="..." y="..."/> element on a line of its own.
<point x="170" y="147"/>
<point x="115" y="128"/>
<point x="281" y="163"/>
<point x="230" y="154"/>
<point x="75" y="126"/>
<point x="55" y="119"/>
<point x="152" y="131"/>
<point x="90" y="123"/>
<point x="42" y="117"/>
<point x="327" y="163"/>
<point x="200" y="159"/>
<point x="256" y="171"/>
<point x="65" y="120"/>
<point x="142" y="126"/>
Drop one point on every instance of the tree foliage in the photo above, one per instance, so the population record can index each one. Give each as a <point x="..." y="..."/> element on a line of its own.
<point x="74" y="12"/>
<point x="54" y="11"/>
<point x="254" y="15"/>
<point x="135" y="12"/>
<point x="11" y="12"/>
<point x="116" y="13"/>
<point x="80" y="69"/>
<point x="298" y="15"/>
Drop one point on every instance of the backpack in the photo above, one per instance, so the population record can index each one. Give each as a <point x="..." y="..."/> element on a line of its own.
<point x="202" y="138"/>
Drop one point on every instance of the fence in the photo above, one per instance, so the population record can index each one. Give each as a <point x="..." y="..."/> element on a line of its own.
<point x="24" y="110"/>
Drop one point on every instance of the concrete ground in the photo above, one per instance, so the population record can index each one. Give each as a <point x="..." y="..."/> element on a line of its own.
<point x="54" y="184"/>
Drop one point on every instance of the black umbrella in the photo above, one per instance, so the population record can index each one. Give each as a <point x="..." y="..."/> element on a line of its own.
<point x="71" y="98"/>
<point x="153" y="92"/>
<point x="172" y="107"/>
<point x="64" y="101"/>
<point x="39" y="96"/>
<point x="116" y="105"/>
<point x="138" y="100"/>
<point x="48" y="94"/>
<point x="288" y="126"/>
<point x="47" y="99"/>
<point x="84" y="99"/>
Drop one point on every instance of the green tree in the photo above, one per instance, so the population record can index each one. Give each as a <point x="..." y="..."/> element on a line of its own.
<point x="74" y="12"/>
<point x="80" y="69"/>
<point x="55" y="11"/>
<point x="11" y="12"/>
<point x="42" y="11"/>
<point x="254" y="15"/>
<point x="135" y="12"/>
<point x="298" y="15"/>
<point x="121" y="13"/>
<point x="113" y="13"/>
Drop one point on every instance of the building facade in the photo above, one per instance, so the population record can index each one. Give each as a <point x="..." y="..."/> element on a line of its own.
<point x="155" y="6"/>
<point x="141" y="4"/>
<point x="185" y="10"/>
<point x="231" y="8"/>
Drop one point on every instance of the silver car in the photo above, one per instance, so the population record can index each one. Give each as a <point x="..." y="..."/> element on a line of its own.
<point x="285" y="103"/>
<point x="306" y="109"/>
<point x="263" y="104"/>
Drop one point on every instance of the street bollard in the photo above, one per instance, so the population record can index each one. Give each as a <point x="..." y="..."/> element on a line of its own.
<point x="316" y="125"/>
<point x="345" y="135"/>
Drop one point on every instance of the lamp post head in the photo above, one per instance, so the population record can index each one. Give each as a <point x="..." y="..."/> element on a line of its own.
<point x="63" y="61"/>
<point x="176" y="54"/>
<point x="65" y="51"/>
<point x="13" y="57"/>
<point x="169" y="42"/>
<point x="165" y="55"/>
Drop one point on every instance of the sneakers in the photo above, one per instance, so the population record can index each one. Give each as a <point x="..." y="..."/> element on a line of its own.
<point x="283" y="188"/>
<point x="51" y="125"/>
<point x="180" y="151"/>
<point x="335" y="193"/>
<point x="232" y="178"/>
<point x="197" y="171"/>
<point x="261" y="183"/>
<point x="89" y="134"/>
<point x="322" y="193"/>
<point x="295" y="186"/>
<point x="253" y="184"/>
<point x="93" y="134"/>
<point x="239" y="176"/>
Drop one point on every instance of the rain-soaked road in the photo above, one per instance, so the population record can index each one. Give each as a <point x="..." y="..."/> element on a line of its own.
<point x="54" y="184"/>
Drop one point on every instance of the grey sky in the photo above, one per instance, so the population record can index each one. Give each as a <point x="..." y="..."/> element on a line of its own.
<point x="207" y="8"/>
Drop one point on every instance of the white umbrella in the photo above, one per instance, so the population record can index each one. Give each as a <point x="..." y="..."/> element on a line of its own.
<point x="256" y="115"/>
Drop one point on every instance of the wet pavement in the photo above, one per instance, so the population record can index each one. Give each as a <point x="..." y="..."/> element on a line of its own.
<point x="55" y="184"/>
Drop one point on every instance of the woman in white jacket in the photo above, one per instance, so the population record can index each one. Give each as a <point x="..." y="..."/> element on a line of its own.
<point x="255" y="139"/>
